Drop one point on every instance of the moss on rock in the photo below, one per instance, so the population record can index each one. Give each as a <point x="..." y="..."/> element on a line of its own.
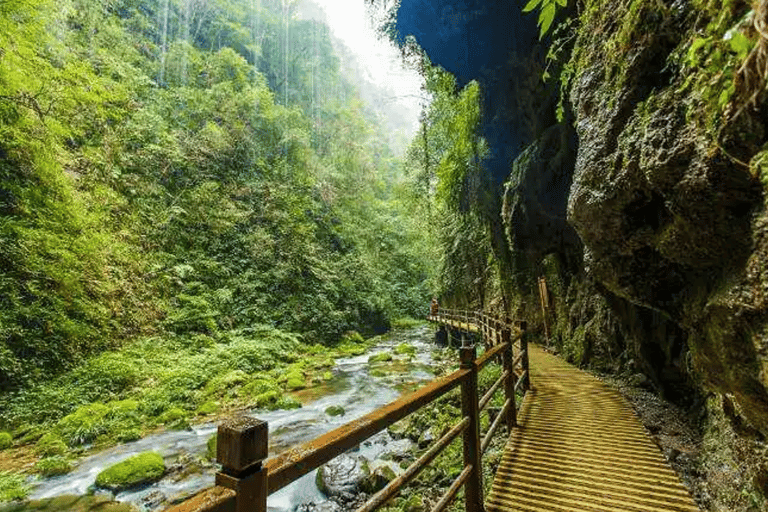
<point x="6" y="440"/>
<point x="140" y="469"/>
<point x="381" y="357"/>
<point x="405" y="349"/>
<point x="335" y="410"/>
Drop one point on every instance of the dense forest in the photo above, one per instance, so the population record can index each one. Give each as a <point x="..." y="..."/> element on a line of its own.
<point x="193" y="176"/>
<point x="191" y="193"/>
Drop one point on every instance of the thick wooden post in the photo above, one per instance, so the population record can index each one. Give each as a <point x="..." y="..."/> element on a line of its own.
<point x="241" y="446"/>
<point x="524" y="347"/>
<point x="509" y="385"/>
<point x="473" y="489"/>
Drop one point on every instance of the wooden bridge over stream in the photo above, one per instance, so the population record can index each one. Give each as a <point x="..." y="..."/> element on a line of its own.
<point x="574" y="443"/>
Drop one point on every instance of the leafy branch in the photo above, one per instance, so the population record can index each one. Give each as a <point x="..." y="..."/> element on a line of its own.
<point x="547" y="11"/>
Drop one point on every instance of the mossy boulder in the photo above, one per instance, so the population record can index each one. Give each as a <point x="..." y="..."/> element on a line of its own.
<point x="50" y="444"/>
<point x="175" y="419"/>
<point x="381" y="357"/>
<point x="404" y="349"/>
<point x="287" y="402"/>
<point x="6" y="440"/>
<point x="335" y="410"/>
<point x="295" y="380"/>
<point x="380" y="474"/>
<point x="140" y="469"/>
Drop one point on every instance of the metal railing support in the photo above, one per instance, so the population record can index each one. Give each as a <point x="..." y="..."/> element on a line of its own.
<point x="473" y="488"/>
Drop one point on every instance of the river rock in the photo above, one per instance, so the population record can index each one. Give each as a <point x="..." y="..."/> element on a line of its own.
<point x="397" y="450"/>
<point x="400" y="429"/>
<point x="344" y="474"/>
<point x="426" y="438"/>
<point x="381" y="473"/>
<point x="324" y="506"/>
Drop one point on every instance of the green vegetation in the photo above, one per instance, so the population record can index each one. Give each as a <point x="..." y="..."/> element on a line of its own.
<point x="54" y="465"/>
<point x="12" y="486"/>
<point x="381" y="357"/>
<point x="466" y="238"/>
<point x="142" y="468"/>
<point x="405" y="349"/>
<point x="71" y="504"/>
<point x="6" y="440"/>
<point x="160" y="186"/>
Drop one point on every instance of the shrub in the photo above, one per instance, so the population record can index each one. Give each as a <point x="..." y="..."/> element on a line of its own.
<point x="352" y="337"/>
<point x="143" y="468"/>
<point x="55" y="465"/>
<point x="119" y="419"/>
<point x="84" y="425"/>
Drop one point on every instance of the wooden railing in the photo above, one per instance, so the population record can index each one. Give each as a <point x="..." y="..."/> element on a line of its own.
<point x="245" y="480"/>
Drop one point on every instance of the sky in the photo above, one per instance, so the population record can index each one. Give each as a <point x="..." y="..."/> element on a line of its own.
<point x="383" y="64"/>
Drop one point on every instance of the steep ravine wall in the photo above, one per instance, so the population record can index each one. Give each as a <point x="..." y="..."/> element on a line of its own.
<point x="666" y="196"/>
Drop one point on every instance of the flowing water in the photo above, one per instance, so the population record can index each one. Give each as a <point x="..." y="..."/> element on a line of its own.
<point x="353" y="388"/>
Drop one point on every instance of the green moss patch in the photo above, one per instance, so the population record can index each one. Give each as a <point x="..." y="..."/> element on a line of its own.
<point x="335" y="410"/>
<point x="6" y="440"/>
<point x="140" y="469"/>
<point x="13" y="486"/>
<point x="71" y="504"/>
<point x="381" y="357"/>
<point x="405" y="349"/>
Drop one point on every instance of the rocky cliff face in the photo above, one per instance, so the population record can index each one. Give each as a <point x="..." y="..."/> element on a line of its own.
<point x="671" y="221"/>
<point x="667" y="198"/>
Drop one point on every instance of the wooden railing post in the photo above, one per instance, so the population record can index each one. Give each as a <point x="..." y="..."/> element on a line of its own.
<point x="473" y="489"/>
<point x="509" y="385"/>
<point x="524" y="347"/>
<point x="241" y="446"/>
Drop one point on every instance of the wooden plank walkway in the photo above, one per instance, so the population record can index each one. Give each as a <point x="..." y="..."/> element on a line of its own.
<point x="580" y="447"/>
<point x="463" y="326"/>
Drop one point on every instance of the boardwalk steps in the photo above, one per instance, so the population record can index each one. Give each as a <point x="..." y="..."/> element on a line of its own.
<point x="579" y="447"/>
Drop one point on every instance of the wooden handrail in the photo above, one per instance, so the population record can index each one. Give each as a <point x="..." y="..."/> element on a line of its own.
<point x="244" y="482"/>
<point x="294" y="463"/>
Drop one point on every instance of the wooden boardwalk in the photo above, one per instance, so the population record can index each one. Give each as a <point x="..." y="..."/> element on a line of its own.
<point x="580" y="447"/>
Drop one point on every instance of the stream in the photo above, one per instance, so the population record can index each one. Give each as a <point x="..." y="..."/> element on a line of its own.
<point x="353" y="387"/>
